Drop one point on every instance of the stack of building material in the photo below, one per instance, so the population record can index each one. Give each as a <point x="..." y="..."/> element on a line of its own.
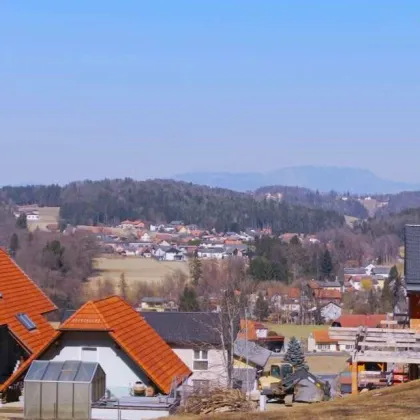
<point x="219" y="401"/>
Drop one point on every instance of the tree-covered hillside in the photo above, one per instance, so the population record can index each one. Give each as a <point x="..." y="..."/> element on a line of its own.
<point x="348" y="205"/>
<point x="110" y="201"/>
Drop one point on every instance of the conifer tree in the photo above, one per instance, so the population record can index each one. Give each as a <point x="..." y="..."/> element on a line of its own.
<point x="262" y="309"/>
<point x="295" y="355"/>
<point x="188" y="300"/>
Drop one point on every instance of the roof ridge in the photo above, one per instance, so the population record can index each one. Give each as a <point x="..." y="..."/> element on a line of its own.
<point x="100" y="314"/>
<point x="11" y="260"/>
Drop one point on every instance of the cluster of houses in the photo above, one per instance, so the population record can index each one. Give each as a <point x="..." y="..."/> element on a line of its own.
<point x="157" y="351"/>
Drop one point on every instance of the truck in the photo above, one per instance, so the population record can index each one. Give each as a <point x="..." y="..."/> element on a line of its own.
<point x="282" y="382"/>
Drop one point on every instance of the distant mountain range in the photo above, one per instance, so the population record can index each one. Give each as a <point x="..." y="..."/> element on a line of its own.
<point x="323" y="179"/>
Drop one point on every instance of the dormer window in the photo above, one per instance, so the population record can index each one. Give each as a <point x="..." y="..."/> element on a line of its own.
<point x="26" y="321"/>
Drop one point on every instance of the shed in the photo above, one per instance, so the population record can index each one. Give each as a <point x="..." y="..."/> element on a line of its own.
<point x="62" y="390"/>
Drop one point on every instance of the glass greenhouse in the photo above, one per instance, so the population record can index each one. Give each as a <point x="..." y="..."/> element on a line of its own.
<point x="62" y="390"/>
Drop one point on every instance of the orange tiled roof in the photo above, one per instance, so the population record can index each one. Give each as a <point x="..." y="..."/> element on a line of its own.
<point x="322" y="336"/>
<point x="352" y="321"/>
<point x="247" y="327"/>
<point x="134" y="335"/>
<point x="327" y="294"/>
<point x="21" y="295"/>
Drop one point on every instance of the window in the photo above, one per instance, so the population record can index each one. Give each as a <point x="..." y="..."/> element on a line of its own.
<point x="349" y="346"/>
<point x="201" y="386"/>
<point x="324" y="347"/>
<point x="201" y="360"/>
<point x="26" y="321"/>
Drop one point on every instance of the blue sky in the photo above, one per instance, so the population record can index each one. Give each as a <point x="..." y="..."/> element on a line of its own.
<point x="93" y="89"/>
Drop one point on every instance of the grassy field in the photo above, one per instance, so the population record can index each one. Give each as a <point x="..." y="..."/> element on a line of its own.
<point x="399" y="402"/>
<point x="135" y="269"/>
<point x="298" y="331"/>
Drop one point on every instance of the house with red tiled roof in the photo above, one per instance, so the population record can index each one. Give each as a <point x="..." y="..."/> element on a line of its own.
<point x="24" y="329"/>
<point x="109" y="331"/>
<point x="354" y="321"/>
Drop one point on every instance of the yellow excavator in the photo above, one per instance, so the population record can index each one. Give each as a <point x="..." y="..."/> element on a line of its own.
<point x="280" y="383"/>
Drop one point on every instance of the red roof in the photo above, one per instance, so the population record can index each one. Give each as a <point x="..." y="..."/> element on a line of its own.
<point x="134" y="335"/>
<point x="248" y="329"/>
<point x="19" y="294"/>
<point x="322" y="336"/>
<point x="327" y="294"/>
<point x="353" y="321"/>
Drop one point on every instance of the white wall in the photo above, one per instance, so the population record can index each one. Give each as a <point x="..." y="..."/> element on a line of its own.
<point x="216" y="372"/>
<point x="112" y="414"/>
<point x="121" y="372"/>
<point x="313" y="346"/>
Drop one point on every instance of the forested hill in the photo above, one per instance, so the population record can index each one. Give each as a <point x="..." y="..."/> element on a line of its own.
<point x="349" y="206"/>
<point x="389" y="224"/>
<point x="110" y="201"/>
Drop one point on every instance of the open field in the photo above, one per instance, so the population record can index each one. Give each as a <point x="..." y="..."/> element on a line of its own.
<point x="398" y="402"/>
<point x="301" y="332"/>
<point x="47" y="216"/>
<point x="135" y="269"/>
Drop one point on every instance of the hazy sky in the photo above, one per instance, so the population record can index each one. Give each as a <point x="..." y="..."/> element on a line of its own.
<point x="93" y="89"/>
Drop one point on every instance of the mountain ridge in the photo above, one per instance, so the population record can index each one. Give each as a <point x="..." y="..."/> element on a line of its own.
<point x="321" y="178"/>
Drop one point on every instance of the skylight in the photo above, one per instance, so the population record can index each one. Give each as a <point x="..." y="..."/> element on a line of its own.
<point x="26" y="321"/>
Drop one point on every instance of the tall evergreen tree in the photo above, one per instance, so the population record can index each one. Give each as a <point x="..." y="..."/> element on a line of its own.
<point x="294" y="354"/>
<point x="196" y="270"/>
<point x="188" y="300"/>
<point x="387" y="297"/>
<point x="123" y="287"/>
<point x="262" y="309"/>
<point x="327" y="264"/>
<point x="13" y="245"/>
<point x="22" y="222"/>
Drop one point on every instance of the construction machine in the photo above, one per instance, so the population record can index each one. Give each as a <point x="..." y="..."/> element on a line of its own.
<point x="282" y="382"/>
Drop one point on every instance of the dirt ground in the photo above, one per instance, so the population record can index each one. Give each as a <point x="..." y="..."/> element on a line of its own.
<point x="399" y="402"/>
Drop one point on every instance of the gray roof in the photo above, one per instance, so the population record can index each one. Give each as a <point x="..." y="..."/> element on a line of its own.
<point x="153" y="299"/>
<point x="68" y="371"/>
<point x="355" y="271"/>
<point x="334" y="283"/>
<point x="381" y="271"/>
<point x="186" y="327"/>
<point x="256" y="354"/>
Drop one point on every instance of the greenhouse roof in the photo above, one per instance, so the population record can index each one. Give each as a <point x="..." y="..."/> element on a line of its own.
<point x="68" y="371"/>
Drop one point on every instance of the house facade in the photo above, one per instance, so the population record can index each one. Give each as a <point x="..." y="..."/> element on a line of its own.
<point x="196" y="339"/>
<point x="110" y="332"/>
<point x="331" y="312"/>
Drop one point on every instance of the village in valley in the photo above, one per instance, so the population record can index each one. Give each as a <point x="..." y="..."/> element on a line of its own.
<point x="210" y="210"/>
<point x="277" y="342"/>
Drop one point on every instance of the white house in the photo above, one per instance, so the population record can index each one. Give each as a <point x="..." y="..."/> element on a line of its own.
<point x="211" y="253"/>
<point x="110" y="332"/>
<point x="320" y="341"/>
<point x="145" y="237"/>
<point x="196" y="338"/>
<point x="331" y="312"/>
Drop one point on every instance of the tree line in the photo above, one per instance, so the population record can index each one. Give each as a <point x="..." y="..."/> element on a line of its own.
<point x="111" y="201"/>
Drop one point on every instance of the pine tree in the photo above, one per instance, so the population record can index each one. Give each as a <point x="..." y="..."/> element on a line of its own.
<point x="295" y="355"/>
<point x="13" y="245"/>
<point x="188" y="300"/>
<point x="123" y="286"/>
<point x="327" y="264"/>
<point x="262" y="309"/>
<point x="21" y="222"/>
<point x="386" y="297"/>
<point x="196" y="270"/>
